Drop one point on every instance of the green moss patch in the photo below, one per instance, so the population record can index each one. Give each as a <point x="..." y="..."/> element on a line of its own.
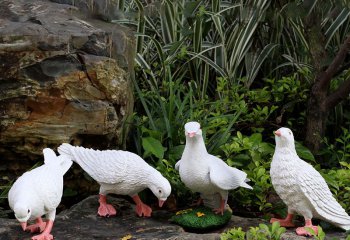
<point x="200" y="219"/>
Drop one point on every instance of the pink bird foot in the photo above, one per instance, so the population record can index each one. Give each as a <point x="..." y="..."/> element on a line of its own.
<point x="141" y="208"/>
<point x="105" y="210"/>
<point x="38" y="227"/>
<point x="287" y="222"/>
<point x="45" y="235"/>
<point x="301" y="231"/>
<point x="218" y="211"/>
<point x="221" y="209"/>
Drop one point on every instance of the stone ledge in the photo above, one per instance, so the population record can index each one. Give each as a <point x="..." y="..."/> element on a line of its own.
<point x="81" y="223"/>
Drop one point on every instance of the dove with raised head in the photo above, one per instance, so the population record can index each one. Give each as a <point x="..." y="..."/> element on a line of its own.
<point x="119" y="172"/>
<point x="38" y="192"/>
<point x="302" y="188"/>
<point x="204" y="173"/>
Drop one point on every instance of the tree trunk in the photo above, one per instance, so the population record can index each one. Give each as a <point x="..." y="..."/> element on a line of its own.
<point x="316" y="119"/>
<point x="321" y="101"/>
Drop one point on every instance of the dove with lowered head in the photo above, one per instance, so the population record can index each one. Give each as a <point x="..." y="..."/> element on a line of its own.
<point x="119" y="172"/>
<point x="38" y="192"/>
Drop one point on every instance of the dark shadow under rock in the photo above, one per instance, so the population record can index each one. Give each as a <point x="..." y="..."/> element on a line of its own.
<point x="81" y="222"/>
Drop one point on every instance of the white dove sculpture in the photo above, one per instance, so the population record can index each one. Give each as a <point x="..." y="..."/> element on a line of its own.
<point x="119" y="172"/>
<point x="302" y="188"/>
<point x="38" y="192"/>
<point x="205" y="173"/>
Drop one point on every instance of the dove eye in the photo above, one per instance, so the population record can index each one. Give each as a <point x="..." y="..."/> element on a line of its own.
<point x="28" y="210"/>
<point x="290" y="133"/>
<point x="160" y="191"/>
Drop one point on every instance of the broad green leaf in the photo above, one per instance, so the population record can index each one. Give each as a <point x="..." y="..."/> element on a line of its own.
<point x="304" y="152"/>
<point x="275" y="226"/>
<point x="175" y="153"/>
<point x="256" y="138"/>
<point x="153" y="146"/>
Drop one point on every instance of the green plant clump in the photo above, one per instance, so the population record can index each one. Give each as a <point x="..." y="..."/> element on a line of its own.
<point x="200" y="218"/>
<point x="263" y="232"/>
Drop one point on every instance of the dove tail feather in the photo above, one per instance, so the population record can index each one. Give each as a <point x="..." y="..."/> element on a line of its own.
<point x="65" y="149"/>
<point x="65" y="164"/>
<point x="243" y="184"/>
<point x="345" y="227"/>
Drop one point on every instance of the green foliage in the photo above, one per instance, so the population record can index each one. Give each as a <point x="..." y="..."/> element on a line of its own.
<point x="234" y="233"/>
<point x="339" y="182"/>
<point x="200" y="218"/>
<point x="153" y="146"/>
<point x="237" y="67"/>
<point x="339" y="151"/>
<point x="254" y="157"/>
<point x="263" y="232"/>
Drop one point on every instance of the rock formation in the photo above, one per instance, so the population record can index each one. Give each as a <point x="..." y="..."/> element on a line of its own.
<point x="63" y="78"/>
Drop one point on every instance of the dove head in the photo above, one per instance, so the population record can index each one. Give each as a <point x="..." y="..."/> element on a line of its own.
<point x="284" y="138"/>
<point x="22" y="213"/>
<point x="193" y="129"/>
<point x="160" y="187"/>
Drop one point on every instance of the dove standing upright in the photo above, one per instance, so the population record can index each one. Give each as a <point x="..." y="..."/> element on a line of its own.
<point x="119" y="172"/>
<point x="38" y="192"/>
<point x="205" y="173"/>
<point x="302" y="188"/>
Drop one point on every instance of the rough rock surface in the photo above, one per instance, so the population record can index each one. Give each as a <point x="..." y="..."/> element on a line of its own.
<point x="63" y="78"/>
<point x="81" y="222"/>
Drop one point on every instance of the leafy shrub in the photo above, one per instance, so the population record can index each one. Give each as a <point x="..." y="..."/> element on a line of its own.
<point x="253" y="156"/>
<point x="339" y="182"/>
<point x="263" y="232"/>
<point x="339" y="151"/>
<point x="189" y="67"/>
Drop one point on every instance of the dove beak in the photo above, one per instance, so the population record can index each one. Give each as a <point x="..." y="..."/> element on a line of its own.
<point x="191" y="134"/>
<point x="24" y="225"/>
<point x="161" y="202"/>
<point x="277" y="133"/>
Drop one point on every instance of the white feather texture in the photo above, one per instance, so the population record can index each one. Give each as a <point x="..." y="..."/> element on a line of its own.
<point x="204" y="173"/>
<point x="301" y="187"/>
<point x="118" y="172"/>
<point x="39" y="191"/>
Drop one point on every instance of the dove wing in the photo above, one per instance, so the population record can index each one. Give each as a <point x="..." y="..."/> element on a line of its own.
<point x="104" y="166"/>
<point x="224" y="176"/>
<point x="316" y="190"/>
<point x="177" y="165"/>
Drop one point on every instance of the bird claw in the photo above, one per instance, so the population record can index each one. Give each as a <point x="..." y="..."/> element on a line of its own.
<point x="301" y="231"/>
<point x="106" y="210"/>
<point x="38" y="227"/>
<point x="219" y="211"/>
<point x="143" y="210"/>
<point x="43" y="236"/>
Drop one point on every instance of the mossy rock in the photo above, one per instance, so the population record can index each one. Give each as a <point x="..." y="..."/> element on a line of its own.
<point x="200" y="219"/>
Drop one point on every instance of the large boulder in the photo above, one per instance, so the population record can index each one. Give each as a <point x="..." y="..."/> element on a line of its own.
<point x="64" y="77"/>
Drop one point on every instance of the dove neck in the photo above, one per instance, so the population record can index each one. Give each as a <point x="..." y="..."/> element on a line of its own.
<point x="286" y="146"/>
<point x="195" y="146"/>
<point x="153" y="177"/>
